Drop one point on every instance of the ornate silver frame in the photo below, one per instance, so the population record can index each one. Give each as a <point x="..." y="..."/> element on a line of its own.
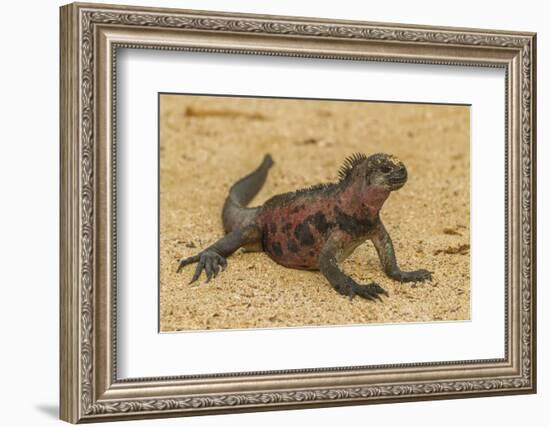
<point x="90" y="36"/>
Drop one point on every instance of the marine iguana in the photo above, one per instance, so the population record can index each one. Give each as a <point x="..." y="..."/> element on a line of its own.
<point x="315" y="228"/>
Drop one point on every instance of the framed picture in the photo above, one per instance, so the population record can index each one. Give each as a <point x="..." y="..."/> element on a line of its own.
<point x="265" y="212"/>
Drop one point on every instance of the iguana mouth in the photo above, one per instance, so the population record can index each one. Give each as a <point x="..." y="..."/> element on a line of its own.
<point x="398" y="178"/>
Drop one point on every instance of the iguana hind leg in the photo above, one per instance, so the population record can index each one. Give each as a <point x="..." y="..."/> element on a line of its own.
<point x="213" y="258"/>
<point x="341" y="282"/>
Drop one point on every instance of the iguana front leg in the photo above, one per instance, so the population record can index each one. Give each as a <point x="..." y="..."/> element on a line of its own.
<point x="384" y="246"/>
<point x="213" y="257"/>
<point x="342" y="283"/>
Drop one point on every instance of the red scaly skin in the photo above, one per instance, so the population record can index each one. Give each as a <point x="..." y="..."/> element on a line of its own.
<point x="295" y="232"/>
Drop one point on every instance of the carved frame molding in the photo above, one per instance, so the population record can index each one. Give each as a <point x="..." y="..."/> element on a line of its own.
<point x="90" y="36"/>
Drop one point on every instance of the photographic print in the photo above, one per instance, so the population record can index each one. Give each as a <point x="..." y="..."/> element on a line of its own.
<point x="280" y="212"/>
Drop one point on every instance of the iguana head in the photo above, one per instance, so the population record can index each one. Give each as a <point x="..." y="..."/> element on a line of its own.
<point x="380" y="170"/>
<point x="387" y="171"/>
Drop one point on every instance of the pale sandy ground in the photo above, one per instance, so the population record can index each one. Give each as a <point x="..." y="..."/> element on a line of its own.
<point x="207" y="143"/>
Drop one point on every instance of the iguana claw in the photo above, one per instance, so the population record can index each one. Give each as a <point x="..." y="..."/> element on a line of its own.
<point x="187" y="261"/>
<point x="371" y="291"/>
<point x="413" y="276"/>
<point x="208" y="260"/>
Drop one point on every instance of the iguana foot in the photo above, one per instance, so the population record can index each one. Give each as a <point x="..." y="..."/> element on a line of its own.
<point x="371" y="291"/>
<point x="208" y="260"/>
<point x="413" y="276"/>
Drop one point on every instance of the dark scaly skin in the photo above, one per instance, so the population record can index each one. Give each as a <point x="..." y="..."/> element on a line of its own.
<point x="315" y="228"/>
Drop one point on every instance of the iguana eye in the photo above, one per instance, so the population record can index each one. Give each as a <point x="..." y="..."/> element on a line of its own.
<point x="385" y="169"/>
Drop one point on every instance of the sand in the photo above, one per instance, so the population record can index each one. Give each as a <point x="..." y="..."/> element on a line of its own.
<point x="207" y="143"/>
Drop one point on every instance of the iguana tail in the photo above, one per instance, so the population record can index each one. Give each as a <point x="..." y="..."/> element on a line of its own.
<point x="235" y="214"/>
